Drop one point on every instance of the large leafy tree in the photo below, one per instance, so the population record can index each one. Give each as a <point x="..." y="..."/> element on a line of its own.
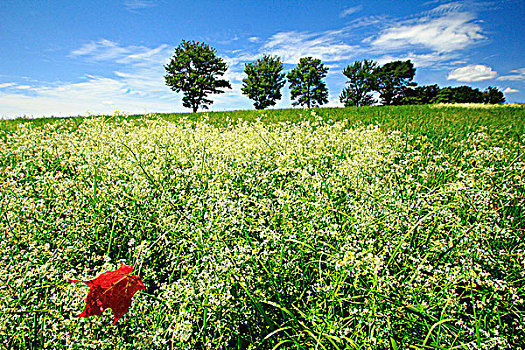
<point x="264" y="81"/>
<point x="392" y="79"/>
<point x="493" y="96"/>
<point x="196" y="70"/>
<point x="306" y="83"/>
<point x="361" y="82"/>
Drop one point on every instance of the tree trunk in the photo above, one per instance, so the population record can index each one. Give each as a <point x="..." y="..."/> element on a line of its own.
<point x="308" y="96"/>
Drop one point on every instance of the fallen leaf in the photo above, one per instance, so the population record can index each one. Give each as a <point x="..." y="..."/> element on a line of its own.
<point x="113" y="290"/>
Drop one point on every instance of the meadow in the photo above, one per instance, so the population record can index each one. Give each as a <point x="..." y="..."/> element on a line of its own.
<point x="343" y="228"/>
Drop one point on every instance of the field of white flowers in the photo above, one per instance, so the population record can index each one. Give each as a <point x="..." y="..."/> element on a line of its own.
<point x="294" y="235"/>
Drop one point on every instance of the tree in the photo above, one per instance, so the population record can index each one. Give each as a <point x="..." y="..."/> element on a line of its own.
<point x="444" y="95"/>
<point x="467" y="94"/>
<point x="306" y="82"/>
<point x="264" y="81"/>
<point x="420" y="95"/>
<point x="361" y="82"/>
<point x="493" y="96"/>
<point x="392" y="79"/>
<point x="458" y="94"/>
<point x="195" y="70"/>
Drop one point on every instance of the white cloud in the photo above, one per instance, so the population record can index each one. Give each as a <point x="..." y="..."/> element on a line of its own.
<point x="334" y="102"/>
<point x="234" y="75"/>
<point x="148" y="57"/>
<point x="433" y="60"/>
<point x="106" y="50"/>
<point x="14" y="86"/>
<point x="448" y="32"/>
<point x="430" y="39"/>
<point x="142" y="68"/>
<point x="366" y="21"/>
<point x="101" y="50"/>
<point x="98" y="95"/>
<point x="447" y="8"/>
<point x="472" y="73"/>
<point x="137" y="86"/>
<point x="519" y="74"/>
<point x="238" y="58"/>
<point x="510" y="90"/>
<point x="254" y="39"/>
<point x="351" y="10"/>
<point x="6" y="85"/>
<point x="139" y="4"/>
<point x="327" y="46"/>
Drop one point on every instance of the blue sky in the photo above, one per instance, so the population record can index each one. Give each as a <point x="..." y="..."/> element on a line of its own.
<point x="68" y="57"/>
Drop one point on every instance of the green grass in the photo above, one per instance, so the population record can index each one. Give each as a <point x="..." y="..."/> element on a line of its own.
<point x="354" y="228"/>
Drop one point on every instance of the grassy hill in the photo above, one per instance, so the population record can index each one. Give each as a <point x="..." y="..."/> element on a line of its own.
<point x="337" y="228"/>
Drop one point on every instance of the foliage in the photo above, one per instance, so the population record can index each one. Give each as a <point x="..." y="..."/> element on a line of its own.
<point x="264" y="81"/>
<point x="111" y="290"/>
<point x="493" y="96"/>
<point x="373" y="228"/>
<point x="444" y="95"/>
<point x="306" y="83"/>
<point x="467" y="94"/>
<point x="195" y="70"/>
<point x="361" y="82"/>
<point x="420" y="95"/>
<point x="392" y="80"/>
<point x="459" y="94"/>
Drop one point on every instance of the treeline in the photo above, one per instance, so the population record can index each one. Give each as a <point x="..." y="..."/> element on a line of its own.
<point x="196" y="71"/>
<point x="394" y="84"/>
<point x="460" y="94"/>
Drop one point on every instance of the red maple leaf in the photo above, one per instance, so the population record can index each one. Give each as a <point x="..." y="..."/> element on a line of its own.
<point x="113" y="290"/>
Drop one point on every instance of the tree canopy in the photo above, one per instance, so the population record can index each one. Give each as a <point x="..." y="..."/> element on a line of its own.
<point x="360" y="85"/>
<point x="458" y="94"/>
<point x="264" y="81"/>
<point x="306" y="83"/>
<point x="195" y="70"/>
<point x="428" y="94"/>
<point x="392" y="79"/>
<point x="493" y="96"/>
<point x="420" y="95"/>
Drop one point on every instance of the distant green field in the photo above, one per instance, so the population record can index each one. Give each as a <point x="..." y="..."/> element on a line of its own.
<point x="337" y="228"/>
